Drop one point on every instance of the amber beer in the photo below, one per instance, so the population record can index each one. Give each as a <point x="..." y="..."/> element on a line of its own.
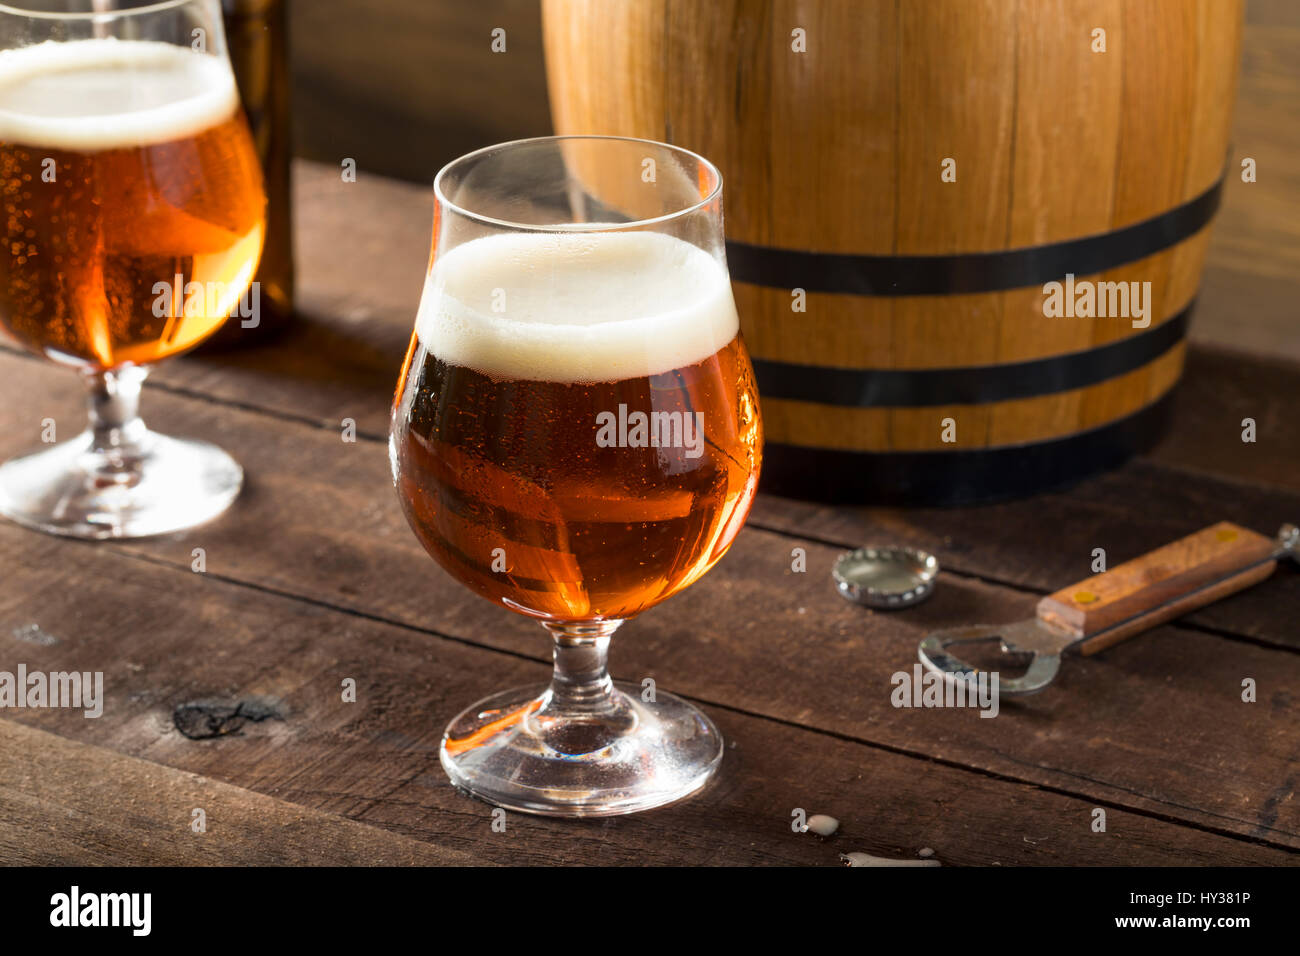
<point x="128" y="178"/>
<point x="516" y="443"/>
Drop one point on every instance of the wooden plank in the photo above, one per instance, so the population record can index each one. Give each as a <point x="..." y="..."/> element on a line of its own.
<point x="320" y="520"/>
<point x="375" y="761"/>
<point x="1062" y="187"/>
<point x="971" y="122"/>
<point x="64" y="803"/>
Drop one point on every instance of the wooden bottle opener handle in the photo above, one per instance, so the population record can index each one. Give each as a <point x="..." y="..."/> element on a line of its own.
<point x="1159" y="586"/>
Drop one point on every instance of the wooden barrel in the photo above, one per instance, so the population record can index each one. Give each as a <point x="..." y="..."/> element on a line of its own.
<point x="903" y="182"/>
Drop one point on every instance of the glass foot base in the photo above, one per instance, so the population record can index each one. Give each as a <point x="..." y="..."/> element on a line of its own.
<point x="171" y="484"/>
<point x="510" y="750"/>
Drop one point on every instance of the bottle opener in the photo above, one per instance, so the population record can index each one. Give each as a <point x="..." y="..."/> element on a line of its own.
<point x="1117" y="604"/>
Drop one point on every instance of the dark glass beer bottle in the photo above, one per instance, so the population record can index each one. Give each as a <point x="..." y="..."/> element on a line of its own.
<point x="257" y="37"/>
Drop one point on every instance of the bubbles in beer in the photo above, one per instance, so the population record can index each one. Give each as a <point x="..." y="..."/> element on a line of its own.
<point x="498" y="439"/>
<point x="133" y="204"/>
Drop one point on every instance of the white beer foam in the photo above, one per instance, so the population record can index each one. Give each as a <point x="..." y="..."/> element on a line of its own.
<point x="576" y="306"/>
<point x="108" y="93"/>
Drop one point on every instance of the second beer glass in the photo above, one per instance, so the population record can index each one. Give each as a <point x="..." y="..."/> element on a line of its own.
<point x="134" y="217"/>
<point x="576" y="437"/>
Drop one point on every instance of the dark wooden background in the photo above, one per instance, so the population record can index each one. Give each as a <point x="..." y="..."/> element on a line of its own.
<point x="405" y="86"/>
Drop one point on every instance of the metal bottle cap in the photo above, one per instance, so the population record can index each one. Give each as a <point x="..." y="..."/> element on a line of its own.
<point x="885" y="577"/>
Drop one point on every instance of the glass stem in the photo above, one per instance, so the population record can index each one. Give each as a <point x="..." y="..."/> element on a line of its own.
<point x="118" y="434"/>
<point x="581" y="684"/>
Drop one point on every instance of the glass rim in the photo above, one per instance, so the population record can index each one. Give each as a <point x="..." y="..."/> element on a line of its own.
<point x="441" y="197"/>
<point x="100" y="15"/>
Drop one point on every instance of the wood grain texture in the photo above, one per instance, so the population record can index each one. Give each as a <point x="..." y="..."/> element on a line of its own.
<point x="1169" y="573"/>
<point x="1176" y="608"/>
<point x="375" y="762"/>
<point x="964" y="117"/>
<point x="319" y="520"/>
<point x="64" y="803"/>
<point x="1014" y="421"/>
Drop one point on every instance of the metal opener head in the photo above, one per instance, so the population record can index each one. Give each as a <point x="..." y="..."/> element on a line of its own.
<point x="1043" y="645"/>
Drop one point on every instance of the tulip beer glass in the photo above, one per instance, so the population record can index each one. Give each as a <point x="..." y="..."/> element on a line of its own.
<point x="576" y="437"/>
<point x="133" y="221"/>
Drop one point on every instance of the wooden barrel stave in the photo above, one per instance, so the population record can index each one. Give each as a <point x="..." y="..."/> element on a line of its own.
<point x="838" y="152"/>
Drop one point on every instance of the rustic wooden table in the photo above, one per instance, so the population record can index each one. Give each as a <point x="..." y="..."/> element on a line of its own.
<point x="314" y="577"/>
